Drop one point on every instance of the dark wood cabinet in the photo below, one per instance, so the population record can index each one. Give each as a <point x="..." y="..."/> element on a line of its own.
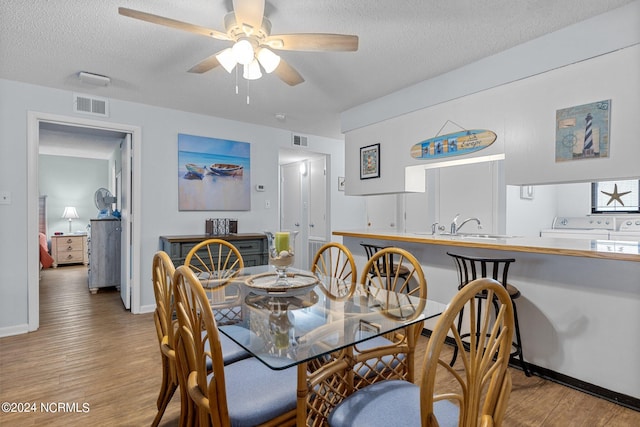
<point x="252" y="246"/>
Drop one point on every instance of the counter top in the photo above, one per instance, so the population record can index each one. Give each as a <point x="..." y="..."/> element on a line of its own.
<point x="604" y="249"/>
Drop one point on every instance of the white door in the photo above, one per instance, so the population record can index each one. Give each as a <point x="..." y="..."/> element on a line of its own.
<point x="318" y="199"/>
<point x="125" y="198"/>
<point x="291" y="206"/>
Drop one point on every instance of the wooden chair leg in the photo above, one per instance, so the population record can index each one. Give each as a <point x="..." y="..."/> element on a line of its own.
<point x="167" y="390"/>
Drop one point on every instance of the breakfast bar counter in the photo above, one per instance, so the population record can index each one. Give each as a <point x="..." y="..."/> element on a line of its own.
<point x="580" y="306"/>
<point x="606" y="249"/>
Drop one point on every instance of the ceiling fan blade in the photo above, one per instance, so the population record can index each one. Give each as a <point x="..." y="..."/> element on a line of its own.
<point x="205" y="65"/>
<point x="172" y="23"/>
<point x="313" y="42"/>
<point x="249" y="14"/>
<point x="288" y="74"/>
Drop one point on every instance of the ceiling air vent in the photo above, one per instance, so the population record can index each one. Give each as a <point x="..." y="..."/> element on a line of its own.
<point x="91" y="105"/>
<point x="299" y="141"/>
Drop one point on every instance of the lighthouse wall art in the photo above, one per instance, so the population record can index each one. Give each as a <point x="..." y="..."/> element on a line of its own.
<point x="582" y="132"/>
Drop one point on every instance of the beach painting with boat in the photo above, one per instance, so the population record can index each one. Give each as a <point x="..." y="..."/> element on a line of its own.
<point x="213" y="174"/>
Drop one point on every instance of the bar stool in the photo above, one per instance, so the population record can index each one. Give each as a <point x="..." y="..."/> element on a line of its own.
<point x="471" y="268"/>
<point x="381" y="262"/>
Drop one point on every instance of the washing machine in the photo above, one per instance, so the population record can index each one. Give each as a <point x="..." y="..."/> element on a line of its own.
<point x="628" y="230"/>
<point x="582" y="227"/>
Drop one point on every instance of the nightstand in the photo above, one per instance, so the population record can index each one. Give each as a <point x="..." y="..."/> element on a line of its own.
<point x="69" y="249"/>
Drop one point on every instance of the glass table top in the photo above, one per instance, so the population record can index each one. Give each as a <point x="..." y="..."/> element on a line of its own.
<point x="283" y="328"/>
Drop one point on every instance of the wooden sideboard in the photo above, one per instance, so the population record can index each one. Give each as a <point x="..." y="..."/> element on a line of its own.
<point x="69" y="249"/>
<point x="252" y="246"/>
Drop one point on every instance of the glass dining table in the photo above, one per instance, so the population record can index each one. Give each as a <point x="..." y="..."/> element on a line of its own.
<point x="284" y="326"/>
<point x="301" y="323"/>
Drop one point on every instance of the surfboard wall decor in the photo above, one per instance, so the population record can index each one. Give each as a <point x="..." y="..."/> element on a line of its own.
<point x="453" y="144"/>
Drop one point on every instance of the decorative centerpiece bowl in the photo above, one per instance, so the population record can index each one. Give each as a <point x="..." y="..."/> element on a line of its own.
<point x="281" y="252"/>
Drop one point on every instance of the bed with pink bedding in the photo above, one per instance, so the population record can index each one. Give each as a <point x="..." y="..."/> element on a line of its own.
<point x="46" y="260"/>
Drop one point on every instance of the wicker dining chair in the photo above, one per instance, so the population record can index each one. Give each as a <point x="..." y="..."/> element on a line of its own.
<point x="395" y="269"/>
<point x="244" y="393"/>
<point x="162" y="275"/>
<point x="475" y="393"/>
<point x="214" y="260"/>
<point x="324" y="381"/>
<point x="335" y="263"/>
<point x="392" y="355"/>
<point x="166" y="325"/>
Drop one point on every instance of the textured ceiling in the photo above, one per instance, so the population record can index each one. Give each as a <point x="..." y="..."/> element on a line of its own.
<point x="401" y="43"/>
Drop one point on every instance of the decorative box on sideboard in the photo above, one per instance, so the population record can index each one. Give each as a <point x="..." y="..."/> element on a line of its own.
<point x="252" y="246"/>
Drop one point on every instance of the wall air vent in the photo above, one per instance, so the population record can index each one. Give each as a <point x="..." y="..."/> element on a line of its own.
<point x="91" y="105"/>
<point x="299" y="141"/>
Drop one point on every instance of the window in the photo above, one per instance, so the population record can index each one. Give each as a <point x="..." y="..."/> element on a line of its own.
<point x="615" y="196"/>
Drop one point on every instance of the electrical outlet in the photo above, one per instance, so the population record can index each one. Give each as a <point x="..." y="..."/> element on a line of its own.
<point x="267" y="204"/>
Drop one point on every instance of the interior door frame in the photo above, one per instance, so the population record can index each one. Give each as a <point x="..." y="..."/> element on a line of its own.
<point x="303" y="257"/>
<point x="33" y="141"/>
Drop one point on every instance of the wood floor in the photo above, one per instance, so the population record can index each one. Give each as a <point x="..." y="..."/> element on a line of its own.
<point x="97" y="364"/>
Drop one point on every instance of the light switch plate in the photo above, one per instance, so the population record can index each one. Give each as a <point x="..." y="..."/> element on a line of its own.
<point x="5" y="197"/>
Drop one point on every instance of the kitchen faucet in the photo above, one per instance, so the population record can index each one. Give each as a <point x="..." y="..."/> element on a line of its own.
<point x="455" y="227"/>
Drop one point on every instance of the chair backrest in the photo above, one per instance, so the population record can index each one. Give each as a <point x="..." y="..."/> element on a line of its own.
<point x="167" y="330"/>
<point x="336" y="264"/>
<point x="395" y="359"/>
<point x="162" y="275"/>
<point x="197" y="350"/>
<point x="471" y="268"/>
<point x="214" y="259"/>
<point x="483" y="389"/>
<point x="395" y="269"/>
<point x="371" y="249"/>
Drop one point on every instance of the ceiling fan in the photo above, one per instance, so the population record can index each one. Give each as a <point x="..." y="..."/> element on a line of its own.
<point x="253" y="43"/>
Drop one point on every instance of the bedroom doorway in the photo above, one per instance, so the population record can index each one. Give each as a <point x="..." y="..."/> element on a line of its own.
<point x="131" y="170"/>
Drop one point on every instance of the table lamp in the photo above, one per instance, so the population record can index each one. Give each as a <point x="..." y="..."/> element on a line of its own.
<point x="70" y="213"/>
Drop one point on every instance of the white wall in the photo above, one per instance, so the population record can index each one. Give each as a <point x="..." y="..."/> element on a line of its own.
<point x="522" y="114"/>
<point x="159" y="213"/>
<point x="71" y="181"/>
<point x="526" y="217"/>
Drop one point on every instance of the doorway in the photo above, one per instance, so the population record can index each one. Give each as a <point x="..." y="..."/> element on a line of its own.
<point x="305" y="202"/>
<point x="130" y="257"/>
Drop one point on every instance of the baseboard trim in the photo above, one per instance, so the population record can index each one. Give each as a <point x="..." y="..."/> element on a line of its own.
<point x="574" y="383"/>
<point x="14" y="330"/>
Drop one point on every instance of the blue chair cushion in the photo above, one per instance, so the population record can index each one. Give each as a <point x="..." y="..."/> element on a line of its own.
<point x="256" y="393"/>
<point x="389" y="403"/>
<point x="231" y="352"/>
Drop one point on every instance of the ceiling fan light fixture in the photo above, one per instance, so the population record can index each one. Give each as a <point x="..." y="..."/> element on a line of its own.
<point x="252" y="71"/>
<point x="243" y="51"/>
<point x="268" y="60"/>
<point x="227" y="59"/>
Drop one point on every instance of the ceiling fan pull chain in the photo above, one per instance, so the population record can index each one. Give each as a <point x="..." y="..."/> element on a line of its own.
<point x="236" y="80"/>
<point x="248" y="92"/>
